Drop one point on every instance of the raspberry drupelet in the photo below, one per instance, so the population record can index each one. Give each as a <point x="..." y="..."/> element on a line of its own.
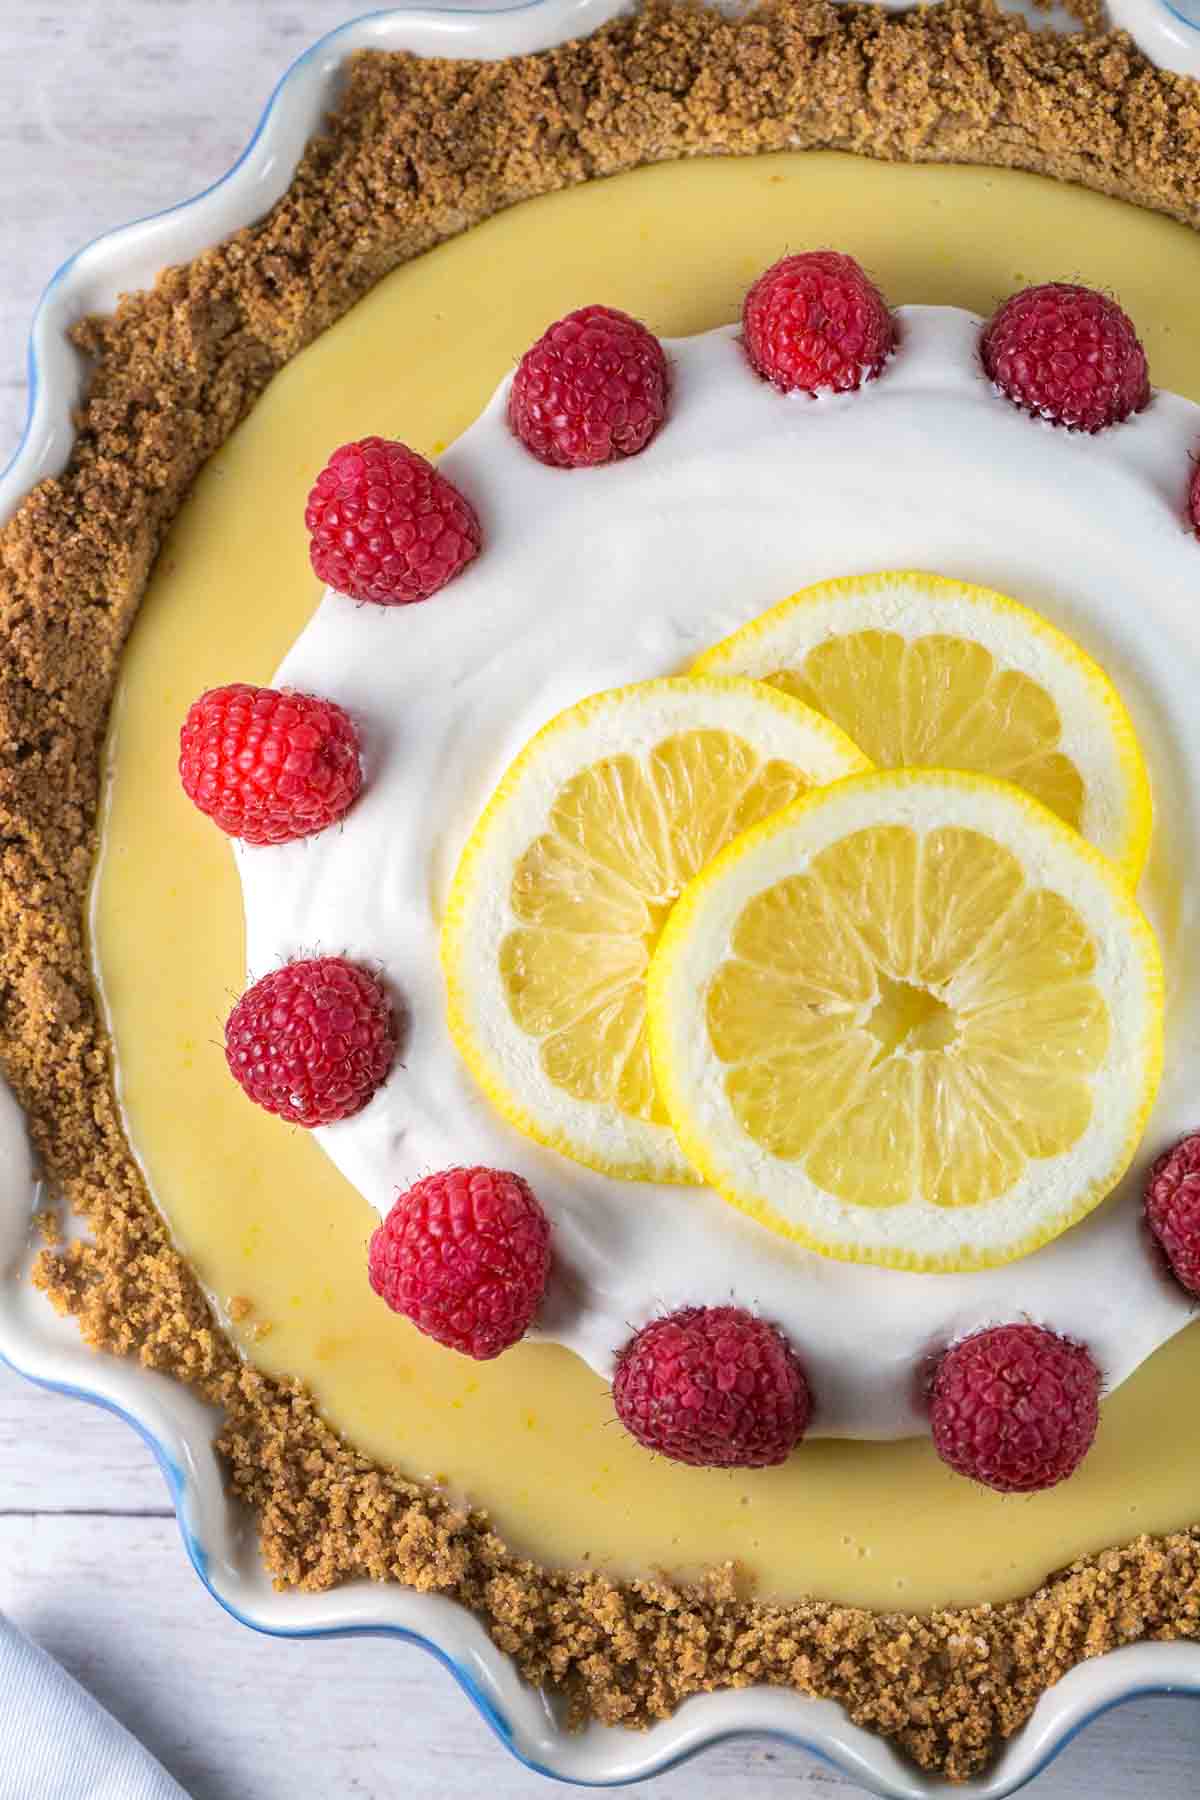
<point x="312" y="1042"/>
<point x="816" y="321"/>
<point x="465" y="1255"/>
<point x="1173" y="1209"/>
<point x="1067" y="354"/>
<point x="713" y="1386"/>
<point x="1015" y="1407"/>
<point x="385" y="526"/>
<point x="269" y="767"/>
<point x="593" y="388"/>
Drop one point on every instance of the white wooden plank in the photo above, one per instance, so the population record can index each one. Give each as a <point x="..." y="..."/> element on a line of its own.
<point x="116" y="1600"/>
<point x="60" y="1455"/>
<point x="231" y="1713"/>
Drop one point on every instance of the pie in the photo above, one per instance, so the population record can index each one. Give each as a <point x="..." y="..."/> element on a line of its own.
<point x="450" y="212"/>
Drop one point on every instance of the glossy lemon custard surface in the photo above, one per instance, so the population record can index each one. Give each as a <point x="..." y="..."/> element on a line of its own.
<point x="273" y="1231"/>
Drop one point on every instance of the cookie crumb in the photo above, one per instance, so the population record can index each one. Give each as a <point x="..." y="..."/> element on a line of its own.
<point x="48" y="1225"/>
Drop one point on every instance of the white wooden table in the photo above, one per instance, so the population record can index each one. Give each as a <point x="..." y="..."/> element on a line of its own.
<point x="110" y="109"/>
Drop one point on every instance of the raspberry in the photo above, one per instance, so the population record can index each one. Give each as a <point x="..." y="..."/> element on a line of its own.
<point x="385" y="526"/>
<point x="465" y="1256"/>
<point x="1194" y="499"/>
<point x="712" y="1386"/>
<point x="1067" y="354"/>
<point x="592" y="388"/>
<point x="1015" y="1407"/>
<point x="312" y="1041"/>
<point x="1173" y="1209"/>
<point x="266" y="766"/>
<point x="815" y="321"/>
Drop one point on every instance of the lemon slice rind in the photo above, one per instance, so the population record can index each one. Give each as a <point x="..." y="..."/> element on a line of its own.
<point x="1051" y="1195"/>
<point x="1097" y="734"/>
<point x="478" y="915"/>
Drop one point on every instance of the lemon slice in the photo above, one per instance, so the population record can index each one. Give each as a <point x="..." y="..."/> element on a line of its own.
<point x="926" y="673"/>
<point x="563" y="888"/>
<point x="913" y="1020"/>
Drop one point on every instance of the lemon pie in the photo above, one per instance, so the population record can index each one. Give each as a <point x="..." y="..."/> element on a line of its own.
<point x="233" y="1253"/>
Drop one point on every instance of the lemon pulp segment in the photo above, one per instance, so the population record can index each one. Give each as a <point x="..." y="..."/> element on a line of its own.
<point x="925" y="1013"/>
<point x="925" y="672"/>
<point x="611" y="810"/>
<point x="624" y="838"/>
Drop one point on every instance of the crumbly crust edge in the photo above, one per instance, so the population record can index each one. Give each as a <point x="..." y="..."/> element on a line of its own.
<point x="417" y="151"/>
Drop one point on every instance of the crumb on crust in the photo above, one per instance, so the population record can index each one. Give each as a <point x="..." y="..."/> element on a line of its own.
<point x="417" y="151"/>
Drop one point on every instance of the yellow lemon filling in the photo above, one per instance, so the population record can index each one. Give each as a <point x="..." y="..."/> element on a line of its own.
<point x="531" y="1436"/>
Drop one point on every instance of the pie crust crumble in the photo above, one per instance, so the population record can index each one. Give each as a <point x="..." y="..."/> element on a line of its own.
<point x="417" y="151"/>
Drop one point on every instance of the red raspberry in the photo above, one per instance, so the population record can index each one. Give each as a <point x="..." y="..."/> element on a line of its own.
<point x="465" y="1256"/>
<point x="267" y="766"/>
<point x="385" y="526"/>
<point x="815" y="321"/>
<point x="1173" y="1209"/>
<point x="592" y="388"/>
<point x="1067" y="354"/>
<point x="712" y="1386"/>
<point x="312" y="1041"/>
<point x="1015" y="1407"/>
<point x="1194" y="499"/>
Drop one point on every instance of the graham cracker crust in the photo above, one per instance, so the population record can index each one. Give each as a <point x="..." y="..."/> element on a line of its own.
<point x="418" y="151"/>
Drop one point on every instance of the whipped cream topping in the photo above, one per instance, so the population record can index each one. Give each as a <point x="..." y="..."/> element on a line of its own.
<point x="592" y="578"/>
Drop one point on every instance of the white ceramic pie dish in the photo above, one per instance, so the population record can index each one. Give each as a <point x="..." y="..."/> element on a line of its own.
<point x="177" y="1426"/>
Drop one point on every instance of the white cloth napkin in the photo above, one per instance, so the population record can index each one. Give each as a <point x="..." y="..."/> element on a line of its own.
<point x="57" y="1743"/>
